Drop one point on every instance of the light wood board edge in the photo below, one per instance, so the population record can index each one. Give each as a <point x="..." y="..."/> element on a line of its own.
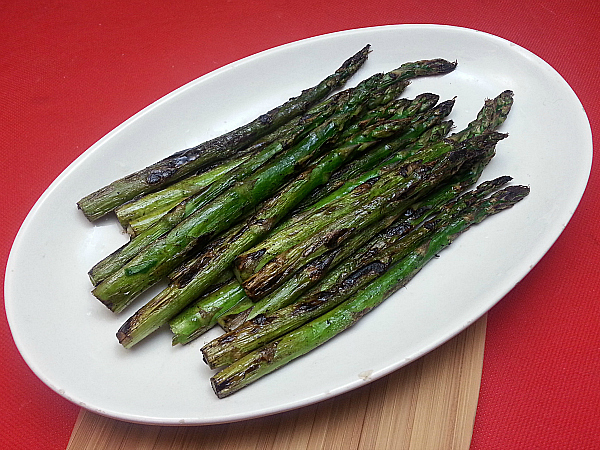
<point x="430" y="403"/>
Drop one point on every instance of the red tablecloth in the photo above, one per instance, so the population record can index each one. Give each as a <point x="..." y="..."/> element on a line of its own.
<point x="70" y="71"/>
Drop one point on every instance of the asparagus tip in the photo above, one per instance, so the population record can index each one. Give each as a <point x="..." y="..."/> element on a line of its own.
<point x="444" y="66"/>
<point x="513" y="194"/>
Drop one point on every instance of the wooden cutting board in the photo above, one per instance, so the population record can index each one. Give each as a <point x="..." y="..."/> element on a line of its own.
<point x="429" y="404"/>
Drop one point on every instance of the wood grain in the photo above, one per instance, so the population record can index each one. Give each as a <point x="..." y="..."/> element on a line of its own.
<point x="430" y="403"/>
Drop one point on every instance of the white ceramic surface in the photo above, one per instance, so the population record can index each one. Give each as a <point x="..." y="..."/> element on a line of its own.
<point x="68" y="338"/>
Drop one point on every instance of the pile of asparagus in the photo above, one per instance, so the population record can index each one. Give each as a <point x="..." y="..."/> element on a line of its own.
<point x="287" y="230"/>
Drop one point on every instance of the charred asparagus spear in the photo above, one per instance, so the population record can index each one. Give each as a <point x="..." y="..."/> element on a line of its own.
<point x="364" y="266"/>
<point x="300" y="341"/>
<point x="188" y="324"/>
<point x="186" y="162"/>
<point x="163" y="255"/>
<point x="293" y="132"/>
<point x="315" y="271"/>
<point x="413" y="137"/>
<point x="490" y="117"/>
<point x="203" y="315"/>
<point x="283" y="265"/>
<point x="400" y="108"/>
<point x="188" y="284"/>
<point x="387" y="85"/>
<point x="206" y="186"/>
<point x="139" y="215"/>
<point x="267" y="265"/>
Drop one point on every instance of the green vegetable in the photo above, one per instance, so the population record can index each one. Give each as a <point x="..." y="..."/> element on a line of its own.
<point x="346" y="216"/>
<point x="202" y="315"/>
<point x="189" y="283"/>
<point x="170" y="250"/>
<point x="301" y="340"/>
<point x="188" y="161"/>
<point x="313" y="272"/>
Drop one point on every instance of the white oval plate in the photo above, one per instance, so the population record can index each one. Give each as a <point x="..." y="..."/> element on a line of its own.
<point x="68" y="338"/>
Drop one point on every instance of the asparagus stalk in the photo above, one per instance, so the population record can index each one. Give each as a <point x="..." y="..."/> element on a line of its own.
<point x="313" y="272"/>
<point x="300" y="341"/>
<point x="188" y="161"/>
<point x="415" y="137"/>
<point x="188" y="284"/>
<point x="295" y="230"/>
<point x="149" y="266"/>
<point x="202" y="316"/>
<point x="388" y="85"/>
<point x="348" y="181"/>
<point x="363" y="267"/>
<point x="401" y="108"/>
<point x="490" y="117"/>
<point x="248" y="264"/>
<point x="280" y="268"/>
<point x="139" y="215"/>
<point x="263" y="154"/>
<point x="164" y="254"/>
<point x="206" y="186"/>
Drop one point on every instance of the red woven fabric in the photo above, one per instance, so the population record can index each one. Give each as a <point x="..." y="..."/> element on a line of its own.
<point x="71" y="71"/>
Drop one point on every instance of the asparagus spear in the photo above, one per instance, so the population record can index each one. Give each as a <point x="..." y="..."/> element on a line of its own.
<point x="206" y="186"/>
<point x="263" y="154"/>
<point x="280" y="268"/>
<point x="203" y="315"/>
<point x="295" y="230"/>
<point x="388" y="85"/>
<point x="416" y="137"/>
<point x="364" y="266"/>
<point x="188" y="161"/>
<point x="187" y="324"/>
<point x="188" y="284"/>
<point x="139" y="215"/>
<point x="298" y="342"/>
<point x="149" y="266"/>
<point x="313" y="272"/>
<point x="348" y="181"/>
<point x="490" y="117"/>
<point x="291" y="239"/>
<point x="400" y="108"/>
